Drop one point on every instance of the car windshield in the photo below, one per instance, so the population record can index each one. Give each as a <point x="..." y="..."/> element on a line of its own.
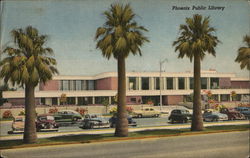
<point x="19" y="119"/>
<point x="44" y="118"/>
<point x="185" y="112"/>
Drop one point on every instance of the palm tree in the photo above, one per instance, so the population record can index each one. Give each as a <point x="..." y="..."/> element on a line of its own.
<point x="119" y="37"/>
<point x="196" y="38"/>
<point x="244" y="54"/>
<point x="26" y="64"/>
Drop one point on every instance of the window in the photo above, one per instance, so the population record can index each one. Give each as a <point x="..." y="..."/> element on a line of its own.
<point x="133" y="100"/>
<point x="225" y="97"/>
<point x="191" y="83"/>
<point x="157" y="83"/>
<point x="181" y="83"/>
<point x="214" y="83"/>
<point x="78" y="85"/>
<point x="203" y="83"/>
<point x="71" y="100"/>
<point x="54" y="101"/>
<point x="170" y="83"/>
<point x="100" y="100"/>
<point x="132" y="83"/>
<point x="72" y="85"/>
<point x="91" y="84"/>
<point x="145" y="83"/>
<point x="65" y="85"/>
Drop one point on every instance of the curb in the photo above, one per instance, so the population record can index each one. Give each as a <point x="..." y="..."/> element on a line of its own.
<point x="120" y="139"/>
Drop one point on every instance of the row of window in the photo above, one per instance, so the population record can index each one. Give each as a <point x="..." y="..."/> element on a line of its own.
<point x="72" y="85"/>
<point x="170" y="83"/>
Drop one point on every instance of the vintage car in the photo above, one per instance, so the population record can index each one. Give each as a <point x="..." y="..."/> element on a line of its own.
<point x="17" y="125"/>
<point x="46" y="122"/>
<point x="113" y="121"/>
<point x="244" y="110"/>
<point x="146" y="112"/>
<point x="232" y="114"/>
<point x="91" y="121"/>
<point x="210" y="115"/>
<point x="67" y="116"/>
<point x="180" y="115"/>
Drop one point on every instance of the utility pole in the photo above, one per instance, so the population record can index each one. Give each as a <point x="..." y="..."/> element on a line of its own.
<point x="161" y="62"/>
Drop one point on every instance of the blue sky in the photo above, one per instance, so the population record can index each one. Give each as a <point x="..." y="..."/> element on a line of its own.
<point x="71" y="26"/>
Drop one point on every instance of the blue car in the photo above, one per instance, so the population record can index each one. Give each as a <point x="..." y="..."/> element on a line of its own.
<point x="244" y="110"/>
<point x="214" y="116"/>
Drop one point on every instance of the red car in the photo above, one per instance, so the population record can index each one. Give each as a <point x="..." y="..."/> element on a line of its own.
<point x="232" y="114"/>
<point x="46" y="122"/>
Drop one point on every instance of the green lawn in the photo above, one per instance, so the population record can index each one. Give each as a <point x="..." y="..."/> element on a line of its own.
<point x="85" y="138"/>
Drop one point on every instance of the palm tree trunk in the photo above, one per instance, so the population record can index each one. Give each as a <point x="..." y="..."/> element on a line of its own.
<point x="121" y="129"/>
<point x="197" y="122"/>
<point x="30" y="115"/>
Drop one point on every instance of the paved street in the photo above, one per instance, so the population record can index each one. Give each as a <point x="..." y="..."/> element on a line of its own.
<point x="222" y="145"/>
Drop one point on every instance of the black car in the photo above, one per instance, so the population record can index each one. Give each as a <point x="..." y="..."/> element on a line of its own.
<point x="180" y="115"/>
<point x="94" y="121"/>
<point x="113" y="121"/>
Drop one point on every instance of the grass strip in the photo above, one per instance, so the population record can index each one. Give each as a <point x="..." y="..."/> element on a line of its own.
<point x="87" y="138"/>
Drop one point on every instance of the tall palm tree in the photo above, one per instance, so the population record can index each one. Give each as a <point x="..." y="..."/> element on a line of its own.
<point x="196" y="38"/>
<point x="244" y="54"/>
<point x="118" y="37"/>
<point x="26" y="64"/>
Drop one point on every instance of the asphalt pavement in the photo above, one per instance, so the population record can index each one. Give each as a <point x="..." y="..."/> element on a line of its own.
<point x="219" y="145"/>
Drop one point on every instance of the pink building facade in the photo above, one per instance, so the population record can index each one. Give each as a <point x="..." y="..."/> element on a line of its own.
<point x="142" y="88"/>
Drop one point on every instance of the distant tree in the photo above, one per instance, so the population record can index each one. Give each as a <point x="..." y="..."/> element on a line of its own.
<point x="105" y="102"/>
<point x="119" y="37"/>
<point x="243" y="56"/>
<point x="26" y="64"/>
<point x="196" y="38"/>
<point x="63" y="99"/>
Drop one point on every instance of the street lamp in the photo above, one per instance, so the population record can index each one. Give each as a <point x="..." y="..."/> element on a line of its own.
<point x="161" y="62"/>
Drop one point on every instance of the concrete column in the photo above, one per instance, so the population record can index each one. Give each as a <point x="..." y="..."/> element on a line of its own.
<point x="187" y="83"/>
<point x="58" y="101"/>
<point x="176" y="87"/>
<point x="93" y="100"/>
<point x="208" y="83"/>
<point x="151" y="83"/>
<point x="139" y="83"/>
<point x="164" y="85"/>
<point x="127" y="83"/>
<point x="110" y="100"/>
<point x="76" y="101"/>
<point x="219" y="98"/>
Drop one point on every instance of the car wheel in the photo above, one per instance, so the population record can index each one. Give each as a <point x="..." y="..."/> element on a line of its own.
<point x="91" y="126"/>
<point x="157" y="115"/>
<point x="171" y="120"/>
<point x="139" y="116"/>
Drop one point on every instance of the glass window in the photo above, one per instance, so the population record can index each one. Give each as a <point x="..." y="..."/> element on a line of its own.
<point x="170" y="83"/>
<point x="191" y="83"/>
<point x="132" y="83"/>
<point x="181" y="83"/>
<point x="225" y="97"/>
<point x="203" y="83"/>
<point x="100" y="100"/>
<point x="157" y="83"/>
<point x="133" y="100"/>
<point x="78" y="85"/>
<point x="65" y="85"/>
<point x="214" y="83"/>
<point x="145" y="83"/>
<point x="72" y="85"/>
<point x="71" y="100"/>
<point x="91" y="85"/>
<point x="84" y="85"/>
<point x="54" y="101"/>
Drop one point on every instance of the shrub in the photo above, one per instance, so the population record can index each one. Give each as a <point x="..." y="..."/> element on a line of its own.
<point x="129" y="109"/>
<point x="81" y="111"/>
<point x="53" y="110"/>
<point x="7" y="114"/>
<point x="21" y="113"/>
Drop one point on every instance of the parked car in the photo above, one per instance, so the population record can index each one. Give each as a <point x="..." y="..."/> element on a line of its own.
<point x="46" y="122"/>
<point x="17" y="125"/>
<point x="210" y="115"/>
<point x="94" y="121"/>
<point x="146" y="112"/>
<point x="180" y="115"/>
<point x="232" y="114"/>
<point x="113" y="121"/>
<point x="244" y="110"/>
<point x="67" y="116"/>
